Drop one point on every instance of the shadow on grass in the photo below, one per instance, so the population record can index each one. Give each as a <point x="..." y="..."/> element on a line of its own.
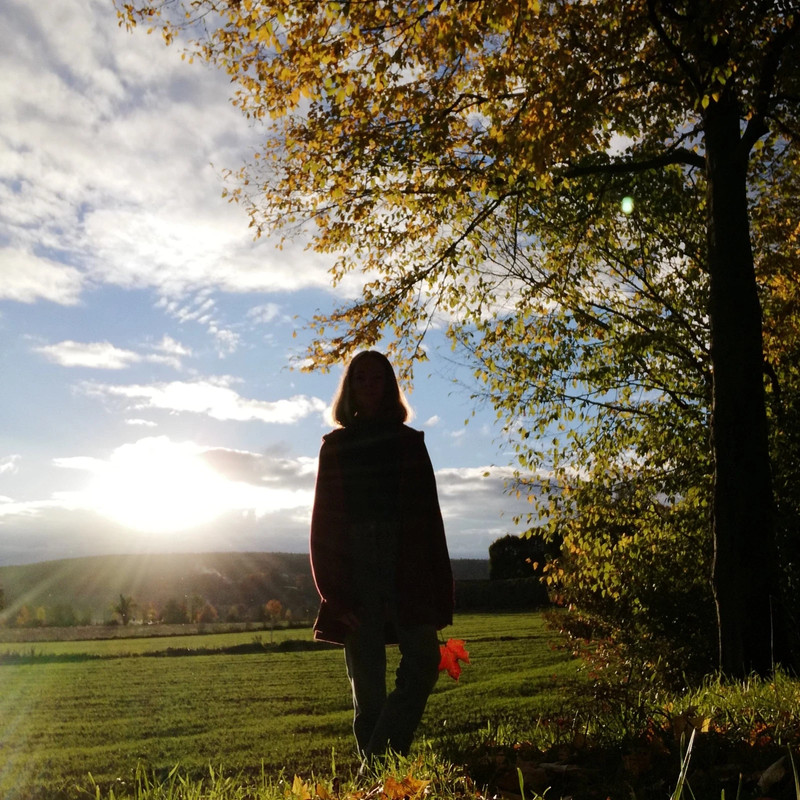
<point x="31" y="656"/>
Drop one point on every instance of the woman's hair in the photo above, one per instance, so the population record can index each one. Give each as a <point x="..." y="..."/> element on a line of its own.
<point x="394" y="407"/>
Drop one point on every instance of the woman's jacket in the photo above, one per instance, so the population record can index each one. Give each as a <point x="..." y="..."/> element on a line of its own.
<point x="423" y="580"/>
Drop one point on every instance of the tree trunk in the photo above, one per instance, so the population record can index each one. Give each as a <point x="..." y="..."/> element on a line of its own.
<point x="745" y="555"/>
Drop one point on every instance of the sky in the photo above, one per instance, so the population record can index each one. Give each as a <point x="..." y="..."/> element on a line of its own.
<point x="147" y="340"/>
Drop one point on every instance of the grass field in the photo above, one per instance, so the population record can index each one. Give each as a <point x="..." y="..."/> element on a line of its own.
<point x="68" y="709"/>
<point x="139" y="644"/>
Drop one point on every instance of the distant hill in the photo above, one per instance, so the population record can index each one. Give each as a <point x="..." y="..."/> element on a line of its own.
<point x="236" y="585"/>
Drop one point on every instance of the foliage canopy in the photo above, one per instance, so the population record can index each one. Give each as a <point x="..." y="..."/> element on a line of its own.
<point x="469" y="158"/>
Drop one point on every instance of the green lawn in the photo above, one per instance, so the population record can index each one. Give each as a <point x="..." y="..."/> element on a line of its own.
<point x="276" y="710"/>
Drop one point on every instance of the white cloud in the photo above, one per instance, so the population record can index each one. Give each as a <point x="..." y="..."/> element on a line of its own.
<point x="169" y="346"/>
<point x="83" y="463"/>
<point x="169" y="352"/>
<point x="199" y="310"/>
<point x="261" y="469"/>
<point x="113" y="150"/>
<point x="104" y="355"/>
<point x="9" y="464"/>
<point x="227" y="341"/>
<point x="478" y="507"/>
<point x="216" y="399"/>
<point x="160" y="494"/>
<point x="96" y="355"/>
<point x="202" y="309"/>
<point x="28" y="278"/>
<point x="264" y="314"/>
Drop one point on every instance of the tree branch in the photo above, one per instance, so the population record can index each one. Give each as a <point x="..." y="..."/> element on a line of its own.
<point x="622" y="166"/>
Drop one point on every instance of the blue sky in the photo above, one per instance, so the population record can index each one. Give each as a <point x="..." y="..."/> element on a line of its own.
<point x="146" y="338"/>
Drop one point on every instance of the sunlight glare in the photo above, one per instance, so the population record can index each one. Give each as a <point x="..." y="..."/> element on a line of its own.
<point x="158" y="486"/>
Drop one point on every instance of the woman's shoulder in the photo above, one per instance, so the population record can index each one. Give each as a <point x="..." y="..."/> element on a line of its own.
<point x="343" y="434"/>
<point x="334" y="435"/>
<point x="412" y="433"/>
<point x="334" y="438"/>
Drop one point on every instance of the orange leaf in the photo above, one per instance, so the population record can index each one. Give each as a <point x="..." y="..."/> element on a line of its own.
<point x="451" y="653"/>
<point x="407" y="789"/>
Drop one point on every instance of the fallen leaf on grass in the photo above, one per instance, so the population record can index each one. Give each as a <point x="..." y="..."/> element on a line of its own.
<point x="300" y="789"/>
<point x="407" y="788"/>
<point x="322" y="792"/>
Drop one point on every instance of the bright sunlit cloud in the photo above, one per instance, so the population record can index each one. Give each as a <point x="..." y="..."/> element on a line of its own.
<point x="159" y="486"/>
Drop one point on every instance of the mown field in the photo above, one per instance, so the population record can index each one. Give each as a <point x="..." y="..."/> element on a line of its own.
<point x="72" y="708"/>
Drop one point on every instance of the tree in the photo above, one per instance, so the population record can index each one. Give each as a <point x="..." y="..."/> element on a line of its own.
<point x="515" y="557"/>
<point x="207" y="614"/>
<point x="23" y="618"/>
<point x="200" y="610"/>
<point x="174" y="612"/>
<point x="124" y="608"/>
<point x="610" y="373"/>
<point x="150" y="613"/>
<point x="776" y="235"/>
<point x="272" y="611"/>
<point x="63" y="616"/>
<point x="420" y="138"/>
<point x="195" y="606"/>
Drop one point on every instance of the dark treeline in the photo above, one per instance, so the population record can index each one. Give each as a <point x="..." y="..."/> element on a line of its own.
<point x="168" y="588"/>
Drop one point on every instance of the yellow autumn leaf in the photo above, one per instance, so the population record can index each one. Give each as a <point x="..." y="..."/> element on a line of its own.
<point x="299" y="790"/>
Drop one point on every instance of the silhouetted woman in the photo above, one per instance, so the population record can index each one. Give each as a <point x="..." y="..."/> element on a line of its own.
<point x="379" y="555"/>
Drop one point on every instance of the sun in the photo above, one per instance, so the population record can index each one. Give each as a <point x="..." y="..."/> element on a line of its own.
<point x="158" y="486"/>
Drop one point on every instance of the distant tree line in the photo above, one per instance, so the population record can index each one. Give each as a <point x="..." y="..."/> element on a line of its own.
<point x="175" y="611"/>
<point x="258" y="598"/>
<point x="270" y="597"/>
<point x="61" y="615"/>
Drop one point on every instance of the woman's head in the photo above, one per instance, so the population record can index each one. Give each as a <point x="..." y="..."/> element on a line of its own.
<point x="369" y="390"/>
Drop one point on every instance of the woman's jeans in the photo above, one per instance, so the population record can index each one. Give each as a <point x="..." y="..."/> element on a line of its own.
<point x="382" y="722"/>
